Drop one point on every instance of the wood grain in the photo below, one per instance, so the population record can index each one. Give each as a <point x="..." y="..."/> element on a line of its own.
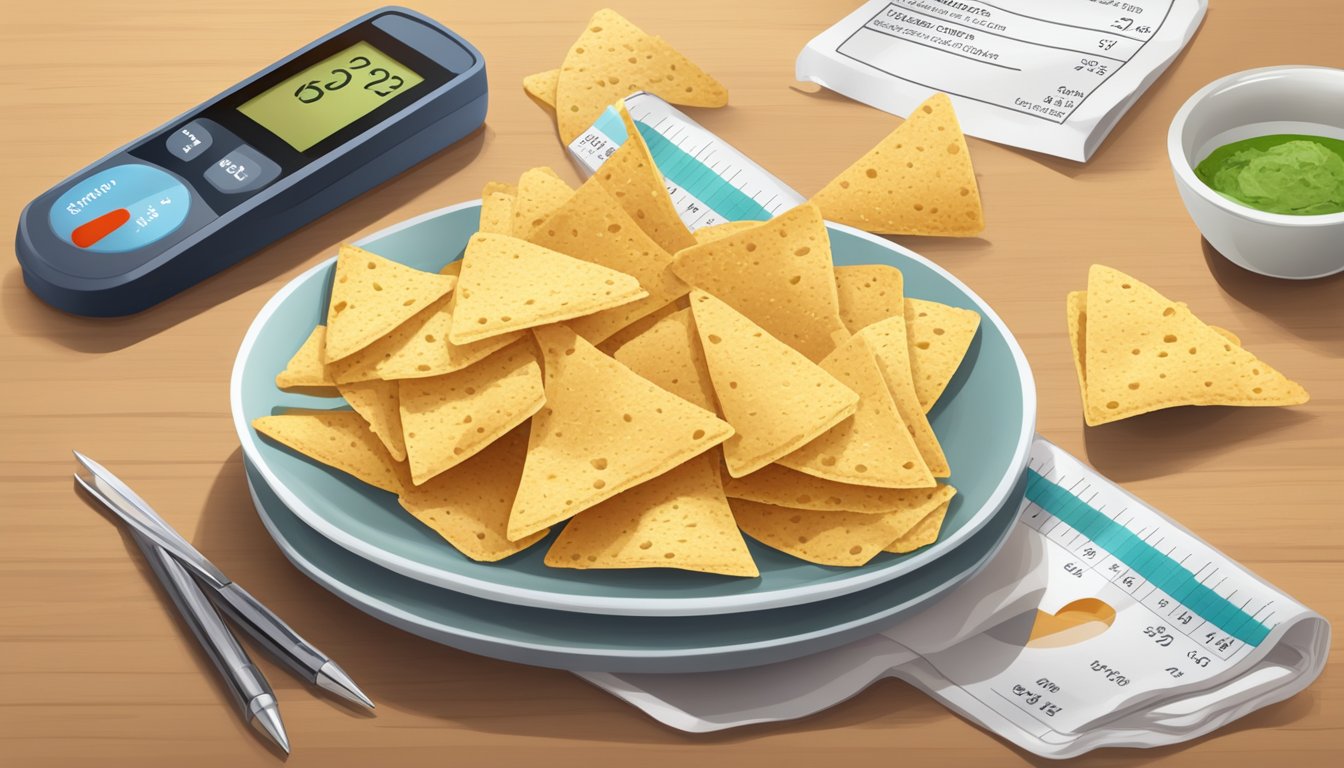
<point x="94" y="670"/>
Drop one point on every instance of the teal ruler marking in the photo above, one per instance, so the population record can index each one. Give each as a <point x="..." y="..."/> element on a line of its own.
<point x="687" y="172"/>
<point x="1155" y="568"/>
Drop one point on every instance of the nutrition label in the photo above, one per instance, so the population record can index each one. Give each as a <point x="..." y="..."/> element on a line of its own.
<point x="1042" y="59"/>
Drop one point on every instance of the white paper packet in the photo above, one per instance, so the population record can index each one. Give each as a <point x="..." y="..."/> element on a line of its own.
<point x="1052" y="76"/>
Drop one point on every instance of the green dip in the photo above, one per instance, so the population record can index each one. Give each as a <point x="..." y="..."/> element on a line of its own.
<point x="1283" y="173"/>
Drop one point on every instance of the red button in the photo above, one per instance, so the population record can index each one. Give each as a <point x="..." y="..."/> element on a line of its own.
<point x="90" y="232"/>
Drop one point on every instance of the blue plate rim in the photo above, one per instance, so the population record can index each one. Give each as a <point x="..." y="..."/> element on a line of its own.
<point x="644" y="606"/>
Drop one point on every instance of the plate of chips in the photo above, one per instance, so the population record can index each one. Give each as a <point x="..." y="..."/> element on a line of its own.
<point x="612" y="414"/>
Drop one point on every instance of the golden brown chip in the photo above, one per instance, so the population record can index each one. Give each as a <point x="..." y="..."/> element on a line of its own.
<point x="916" y="181"/>
<point x="612" y="59"/>
<point x="779" y="274"/>
<point x="604" y="429"/>
<point x="371" y="295"/>
<point x="774" y="397"/>
<point x="341" y="440"/>
<point x="677" y="520"/>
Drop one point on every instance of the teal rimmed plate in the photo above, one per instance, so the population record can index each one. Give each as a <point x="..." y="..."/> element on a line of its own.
<point x="985" y="422"/>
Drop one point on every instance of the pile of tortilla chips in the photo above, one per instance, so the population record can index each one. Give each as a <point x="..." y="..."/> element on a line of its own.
<point x="589" y="363"/>
<point x="1137" y="351"/>
<point x="613" y="59"/>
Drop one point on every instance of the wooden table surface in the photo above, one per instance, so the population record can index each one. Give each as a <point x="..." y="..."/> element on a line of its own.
<point x="94" y="669"/>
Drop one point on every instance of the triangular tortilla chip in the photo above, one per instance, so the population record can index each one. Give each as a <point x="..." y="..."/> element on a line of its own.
<point x="469" y="504"/>
<point x="779" y="274"/>
<point x="874" y="447"/>
<point x="669" y="355"/>
<point x="722" y="229"/>
<point x="541" y="86"/>
<point x="678" y="520"/>
<point x="776" y="399"/>
<point x="497" y="209"/>
<point x="416" y="348"/>
<point x="784" y="487"/>
<point x="376" y="401"/>
<point x="1077" y="311"/>
<point x="869" y="293"/>
<point x="592" y="226"/>
<point x="420" y="347"/>
<point x="1144" y="352"/>
<point x="612" y="59"/>
<point x="371" y="295"/>
<point x="631" y="176"/>
<point x="339" y="439"/>
<point x="939" y="336"/>
<point x="447" y="419"/>
<point x="508" y="284"/>
<point x="826" y="538"/>
<point x="308" y="366"/>
<point x="916" y="181"/>
<point x="887" y="339"/>
<point x="604" y="429"/>
<point x="540" y="192"/>
<point x="924" y="533"/>
<point x="453" y="268"/>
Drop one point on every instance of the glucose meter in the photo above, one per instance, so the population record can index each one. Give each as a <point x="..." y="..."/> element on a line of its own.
<point x="283" y="147"/>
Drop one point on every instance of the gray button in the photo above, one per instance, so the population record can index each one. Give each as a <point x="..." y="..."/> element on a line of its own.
<point x="242" y="170"/>
<point x="190" y="141"/>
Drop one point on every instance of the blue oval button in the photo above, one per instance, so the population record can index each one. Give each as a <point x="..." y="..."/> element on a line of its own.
<point x="120" y="209"/>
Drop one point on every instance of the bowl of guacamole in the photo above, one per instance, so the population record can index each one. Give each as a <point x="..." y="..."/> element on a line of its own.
<point x="1258" y="158"/>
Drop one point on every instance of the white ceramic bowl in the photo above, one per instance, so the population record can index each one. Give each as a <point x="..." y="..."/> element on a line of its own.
<point x="1258" y="102"/>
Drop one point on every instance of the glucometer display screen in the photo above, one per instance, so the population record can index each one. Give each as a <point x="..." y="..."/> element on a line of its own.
<point x="322" y="99"/>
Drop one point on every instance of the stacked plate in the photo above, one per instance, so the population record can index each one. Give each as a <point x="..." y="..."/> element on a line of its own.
<point x="357" y="542"/>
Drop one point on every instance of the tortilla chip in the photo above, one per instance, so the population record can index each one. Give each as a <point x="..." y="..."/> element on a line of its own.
<point x="939" y="336"/>
<point x="669" y="355"/>
<point x="448" y="419"/>
<point x="453" y="268"/>
<point x="376" y="401"/>
<point x="779" y="274"/>
<point x="620" y="338"/>
<point x="826" y="538"/>
<point x="540" y="192"/>
<point x="592" y="226"/>
<point x="604" y="429"/>
<point x="339" y="439"/>
<point x="1143" y="352"/>
<point x="542" y="85"/>
<point x="631" y="176"/>
<point x="308" y="366"/>
<point x="916" y="181"/>
<point x="420" y="346"/>
<point x="496" y="212"/>
<point x="776" y="399"/>
<point x="509" y="284"/>
<point x="722" y="229"/>
<point x="869" y="293"/>
<point x="678" y="520"/>
<point x="874" y="447"/>
<point x="784" y="487"/>
<point x="613" y="59"/>
<point x="469" y="504"/>
<point x="887" y="339"/>
<point x="922" y="534"/>
<point x="371" y="295"/>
